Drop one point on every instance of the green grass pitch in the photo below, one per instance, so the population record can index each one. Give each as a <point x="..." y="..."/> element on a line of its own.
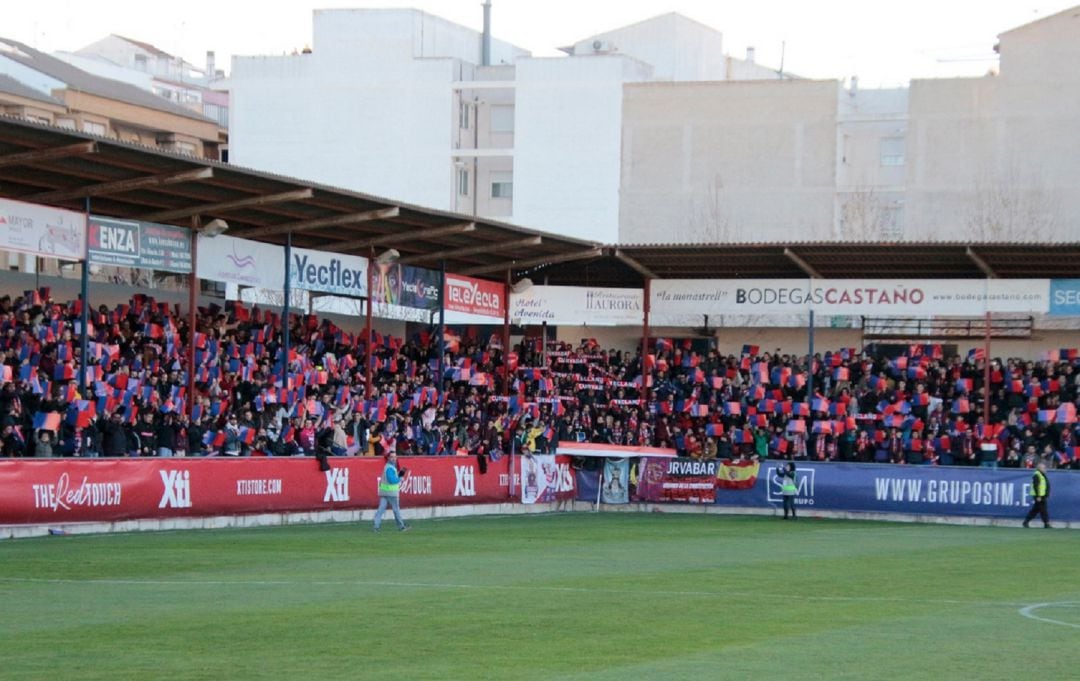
<point x="566" y="596"/>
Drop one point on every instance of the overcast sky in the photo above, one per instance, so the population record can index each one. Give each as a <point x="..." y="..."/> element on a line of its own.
<point x="882" y="43"/>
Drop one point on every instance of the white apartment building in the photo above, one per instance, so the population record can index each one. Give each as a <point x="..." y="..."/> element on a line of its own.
<point x="151" y="68"/>
<point x="399" y="103"/>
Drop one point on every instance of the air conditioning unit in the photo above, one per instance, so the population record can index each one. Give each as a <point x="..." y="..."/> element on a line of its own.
<point x="602" y="47"/>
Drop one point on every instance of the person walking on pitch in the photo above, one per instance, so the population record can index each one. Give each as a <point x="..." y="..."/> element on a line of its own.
<point x="390" y="491"/>
<point x="1040" y="493"/>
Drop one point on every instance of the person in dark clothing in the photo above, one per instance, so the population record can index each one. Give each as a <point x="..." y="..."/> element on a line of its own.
<point x="145" y="433"/>
<point x="194" y="438"/>
<point x="1040" y="492"/>
<point x="114" y="437"/>
<point x="166" y="435"/>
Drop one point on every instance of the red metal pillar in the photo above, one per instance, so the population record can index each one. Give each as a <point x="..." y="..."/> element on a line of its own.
<point x="645" y="345"/>
<point x="986" y="375"/>
<point x="193" y="286"/>
<point x="506" y="337"/>
<point x="367" y="328"/>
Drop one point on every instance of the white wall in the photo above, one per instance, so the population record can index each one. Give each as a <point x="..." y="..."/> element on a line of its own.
<point x="567" y="128"/>
<point x="678" y="48"/>
<point x="370" y="109"/>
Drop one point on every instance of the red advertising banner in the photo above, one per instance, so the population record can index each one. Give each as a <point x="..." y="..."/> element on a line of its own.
<point x="82" y="490"/>
<point x="475" y="296"/>
<point x="686" y="480"/>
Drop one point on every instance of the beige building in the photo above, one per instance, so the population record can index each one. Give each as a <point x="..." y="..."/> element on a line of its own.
<point x="990" y="158"/>
<point x="45" y="89"/>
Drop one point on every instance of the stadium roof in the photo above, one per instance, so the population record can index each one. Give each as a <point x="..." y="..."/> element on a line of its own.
<point x="43" y="164"/>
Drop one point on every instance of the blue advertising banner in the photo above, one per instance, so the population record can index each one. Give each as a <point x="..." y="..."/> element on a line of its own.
<point x="405" y="286"/>
<point x="1065" y="297"/>
<point x="918" y="490"/>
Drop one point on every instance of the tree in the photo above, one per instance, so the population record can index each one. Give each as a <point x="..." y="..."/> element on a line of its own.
<point x="1012" y="205"/>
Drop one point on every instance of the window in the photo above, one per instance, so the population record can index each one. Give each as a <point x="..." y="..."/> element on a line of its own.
<point x="93" y="128"/>
<point x="892" y="151"/>
<point x="502" y="119"/>
<point x="463" y="115"/>
<point x="502" y="190"/>
<point x="68" y="123"/>
<point x="186" y="148"/>
<point x="463" y="182"/>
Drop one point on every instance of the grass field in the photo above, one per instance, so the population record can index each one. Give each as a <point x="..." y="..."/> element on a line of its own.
<point x="617" y="596"/>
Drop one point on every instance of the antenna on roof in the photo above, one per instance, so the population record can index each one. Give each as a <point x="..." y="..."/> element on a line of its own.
<point x="783" y="49"/>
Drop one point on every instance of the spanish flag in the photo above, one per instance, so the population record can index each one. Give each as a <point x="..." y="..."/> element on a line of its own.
<point x="737" y="474"/>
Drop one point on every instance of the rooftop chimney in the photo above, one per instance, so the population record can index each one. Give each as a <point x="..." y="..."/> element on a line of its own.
<point x="210" y="64"/>
<point x="750" y="51"/>
<point x="485" y="46"/>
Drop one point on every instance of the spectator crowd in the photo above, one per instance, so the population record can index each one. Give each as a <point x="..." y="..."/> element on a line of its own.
<point x="918" y="407"/>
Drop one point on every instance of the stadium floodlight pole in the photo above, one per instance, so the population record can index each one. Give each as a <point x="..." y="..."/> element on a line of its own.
<point x="84" y="338"/>
<point x="442" y="325"/>
<point x="287" y="286"/>
<point x="193" y="284"/>
<point x="644" y="389"/>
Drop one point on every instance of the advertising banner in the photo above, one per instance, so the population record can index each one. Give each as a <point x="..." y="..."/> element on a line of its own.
<point x="344" y="275"/>
<point x="74" y="490"/>
<point x="616" y="487"/>
<point x="475" y="296"/>
<point x="1065" y="297"/>
<point x="405" y="286"/>
<point x="577" y="305"/>
<point x="545" y="478"/>
<point x="241" y="261"/>
<point x="42" y="230"/>
<point x="963" y="297"/>
<point x="132" y="243"/>
<point x="684" y="480"/>
<point x="919" y="490"/>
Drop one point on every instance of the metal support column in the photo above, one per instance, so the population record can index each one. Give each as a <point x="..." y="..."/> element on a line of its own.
<point x="285" y="340"/>
<point x="84" y="337"/>
<point x="644" y="392"/>
<point x="193" y="287"/>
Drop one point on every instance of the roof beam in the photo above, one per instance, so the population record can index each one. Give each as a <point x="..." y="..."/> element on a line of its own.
<point x="535" y="262"/>
<point x="491" y="247"/>
<point x="335" y="221"/>
<point x="51" y="154"/>
<point x="980" y="263"/>
<point x="802" y="264"/>
<point x="121" y="186"/>
<point x="634" y="265"/>
<point x="403" y="236"/>
<point x="226" y="206"/>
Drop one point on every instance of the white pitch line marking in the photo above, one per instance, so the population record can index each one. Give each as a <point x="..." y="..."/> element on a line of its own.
<point x="1029" y="612"/>
<point x="496" y="587"/>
